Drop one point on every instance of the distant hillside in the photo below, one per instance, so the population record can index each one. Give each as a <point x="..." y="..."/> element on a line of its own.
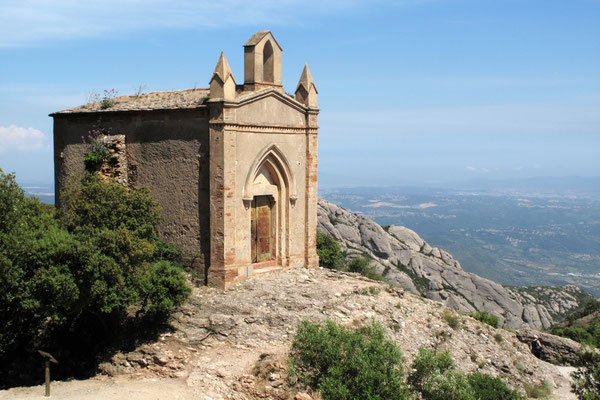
<point x="545" y="295"/>
<point x="519" y="235"/>
<point x="43" y="191"/>
<point x="404" y="258"/>
<point x="583" y="325"/>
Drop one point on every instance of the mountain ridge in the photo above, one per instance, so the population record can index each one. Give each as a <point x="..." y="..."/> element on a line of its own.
<point x="404" y="258"/>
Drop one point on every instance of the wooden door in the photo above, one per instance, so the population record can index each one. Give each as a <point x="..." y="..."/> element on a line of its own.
<point x="261" y="229"/>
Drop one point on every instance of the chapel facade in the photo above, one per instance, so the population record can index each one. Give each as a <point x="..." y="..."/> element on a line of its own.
<point x="234" y="166"/>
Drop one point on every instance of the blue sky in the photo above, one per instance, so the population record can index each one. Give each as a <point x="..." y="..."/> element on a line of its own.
<point x="409" y="90"/>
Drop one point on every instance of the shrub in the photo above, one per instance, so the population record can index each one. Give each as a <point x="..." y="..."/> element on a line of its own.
<point x="330" y="254"/>
<point x="434" y="377"/>
<point x="37" y="287"/>
<point x="361" y="266"/>
<point x="451" y="318"/>
<point x="343" y="363"/>
<point x="427" y="364"/>
<point x="519" y="366"/>
<point x="540" y="390"/>
<point x="486" y="318"/>
<point x="108" y="99"/>
<point x="162" y="287"/>
<point x="97" y="147"/>
<point x="586" y="380"/>
<point x="486" y="387"/>
<point x="583" y="325"/>
<point x="577" y="333"/>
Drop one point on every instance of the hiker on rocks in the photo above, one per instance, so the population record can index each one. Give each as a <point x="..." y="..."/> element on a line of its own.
<point x="535" y="346"/>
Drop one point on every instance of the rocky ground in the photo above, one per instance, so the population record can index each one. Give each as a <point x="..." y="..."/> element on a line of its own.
<point x="232" y="344"/>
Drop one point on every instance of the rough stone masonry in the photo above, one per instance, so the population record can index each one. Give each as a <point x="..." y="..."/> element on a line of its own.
<point x="234" y="166"/>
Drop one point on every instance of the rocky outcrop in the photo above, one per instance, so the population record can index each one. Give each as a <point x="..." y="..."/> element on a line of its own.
<point x="233" y="344"/>
<point x="555" y="349"/>
<point x="546" y="304"/>
<point x="406" y="259"/>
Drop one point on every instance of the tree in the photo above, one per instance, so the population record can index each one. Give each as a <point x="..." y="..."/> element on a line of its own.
<point x="97" y="257"/>
<point x="37" y="288"/>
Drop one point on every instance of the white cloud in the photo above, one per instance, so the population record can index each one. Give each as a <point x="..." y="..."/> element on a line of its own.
<point x="21" y="139"/>
<point x="31" y="21"/>
<point x="482" y="169"/>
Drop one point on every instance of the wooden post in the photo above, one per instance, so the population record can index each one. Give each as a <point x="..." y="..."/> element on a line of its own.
<point x="47" y="359"/>
<point x="47" y="378"/>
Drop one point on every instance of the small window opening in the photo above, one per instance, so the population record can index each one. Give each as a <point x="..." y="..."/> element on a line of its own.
<point x="268" y="63"/>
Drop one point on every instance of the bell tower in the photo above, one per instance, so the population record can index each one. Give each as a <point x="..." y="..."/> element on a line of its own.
<point x="262" y="62"/>
<point x="262" y="170"/>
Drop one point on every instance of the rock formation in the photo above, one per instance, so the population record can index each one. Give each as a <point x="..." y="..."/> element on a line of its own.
<point x="555" y="349"/>
<point x="233" y="344"/>
<point x="406" y="259"/>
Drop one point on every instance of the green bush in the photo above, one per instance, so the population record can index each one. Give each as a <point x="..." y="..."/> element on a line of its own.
<point x="93" y="161"/>
<point x="541" y="390"/>
<point x="361" y="265"/>
<point x="162" y="287"/>
<point x="426" y="365"/>
<point x="37" y="286"/>
<point x="343" y="363"/>
<point x="98" y="258"/>
<point x="486" y="318"/>
<point x="451" y="318"/>
<point x="589" y="336"/>
<point x="434" y="377"/>
<point x="487" y="387"/>
<point x="330" y="254"/>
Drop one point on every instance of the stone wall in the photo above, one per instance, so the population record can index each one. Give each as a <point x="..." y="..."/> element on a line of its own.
<point x="165" y="150"/>
<point x="114" y="165"/>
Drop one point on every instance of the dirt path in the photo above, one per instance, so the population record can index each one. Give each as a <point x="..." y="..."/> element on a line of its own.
<point x="563" y="392"/>
<point x="108" y="389"/>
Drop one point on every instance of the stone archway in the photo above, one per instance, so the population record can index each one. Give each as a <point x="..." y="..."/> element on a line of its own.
<point x="268" y="195"/>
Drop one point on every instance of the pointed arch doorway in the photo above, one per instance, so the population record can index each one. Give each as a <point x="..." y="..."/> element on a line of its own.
<point x="269" y="193"/>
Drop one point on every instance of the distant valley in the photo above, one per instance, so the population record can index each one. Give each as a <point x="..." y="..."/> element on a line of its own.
<point x="524" y="233"/>
<point x="43" y="191"/>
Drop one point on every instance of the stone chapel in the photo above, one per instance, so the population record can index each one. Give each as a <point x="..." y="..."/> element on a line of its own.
<point x="234" y="166"/>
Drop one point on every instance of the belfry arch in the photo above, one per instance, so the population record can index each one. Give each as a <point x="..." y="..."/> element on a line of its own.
<point x="268" y="63"/>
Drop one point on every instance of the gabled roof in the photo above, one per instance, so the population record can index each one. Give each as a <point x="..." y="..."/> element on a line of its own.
<point x="258" y="36"/>
<point x="249" y="97"/>
<point x="174" y="99"/>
